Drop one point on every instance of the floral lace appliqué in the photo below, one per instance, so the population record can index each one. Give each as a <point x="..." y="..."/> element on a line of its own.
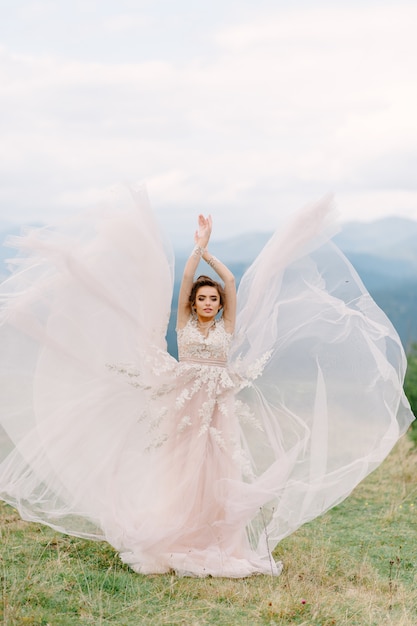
<point x="193" y="345"/>
<point x="198" y="393"/>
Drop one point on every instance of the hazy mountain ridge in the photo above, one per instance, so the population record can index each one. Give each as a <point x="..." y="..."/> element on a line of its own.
<point x="383" y="252"/>
<point x="372" y="236"/>
<point x="382" y="249"/>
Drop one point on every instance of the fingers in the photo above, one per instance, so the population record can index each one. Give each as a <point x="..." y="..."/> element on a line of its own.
<point x="204" y="230"/>
<point x="205" y="221"/>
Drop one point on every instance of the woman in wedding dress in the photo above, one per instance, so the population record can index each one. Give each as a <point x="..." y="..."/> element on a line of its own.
<point x="282" y="401"/>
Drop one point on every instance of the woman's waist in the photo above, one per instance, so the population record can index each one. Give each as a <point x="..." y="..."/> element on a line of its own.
<point x="202" y="360"/>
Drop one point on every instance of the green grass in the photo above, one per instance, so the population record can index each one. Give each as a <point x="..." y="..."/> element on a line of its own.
<point x="356" y="565"/>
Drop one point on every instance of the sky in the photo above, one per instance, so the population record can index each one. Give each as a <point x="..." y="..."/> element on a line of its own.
<point x="240" y="108"/>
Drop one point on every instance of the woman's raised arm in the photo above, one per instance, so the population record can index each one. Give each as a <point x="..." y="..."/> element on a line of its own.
<point x="201" y="239"/>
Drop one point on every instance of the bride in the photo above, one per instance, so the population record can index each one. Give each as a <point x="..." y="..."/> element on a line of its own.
<point x="283" y="399"/>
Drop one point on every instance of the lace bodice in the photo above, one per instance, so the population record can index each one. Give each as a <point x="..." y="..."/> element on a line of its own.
<point x="193" y="346"/>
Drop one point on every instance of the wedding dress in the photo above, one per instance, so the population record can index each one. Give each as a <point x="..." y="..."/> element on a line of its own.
<point x="200" y="465"/>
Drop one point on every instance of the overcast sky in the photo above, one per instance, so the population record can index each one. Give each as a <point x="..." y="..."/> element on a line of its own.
<point x="245" y="109"/>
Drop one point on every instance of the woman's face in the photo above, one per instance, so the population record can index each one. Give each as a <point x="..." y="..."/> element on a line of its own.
<point x="207" y="303"/>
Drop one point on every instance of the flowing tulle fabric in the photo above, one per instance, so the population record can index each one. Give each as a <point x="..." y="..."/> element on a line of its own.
<point x="99" y="439"/>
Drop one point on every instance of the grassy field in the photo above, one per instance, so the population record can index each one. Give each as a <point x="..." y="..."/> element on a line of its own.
<point x="357" y="565"/>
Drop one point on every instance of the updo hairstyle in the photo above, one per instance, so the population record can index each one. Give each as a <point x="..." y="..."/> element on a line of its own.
<point x="205" y="281"/>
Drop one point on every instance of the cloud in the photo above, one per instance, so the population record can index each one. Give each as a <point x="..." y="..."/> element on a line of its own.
<point x="271" y="112"/>
<point x="125" y="22"/>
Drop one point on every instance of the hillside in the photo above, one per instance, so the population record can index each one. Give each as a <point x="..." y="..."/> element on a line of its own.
<point x="355" y="565"/>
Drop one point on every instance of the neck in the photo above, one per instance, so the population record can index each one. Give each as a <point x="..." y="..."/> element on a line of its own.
<point x="205" y="323"/>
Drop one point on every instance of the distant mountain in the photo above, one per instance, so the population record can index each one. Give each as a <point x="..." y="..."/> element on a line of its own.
<point x="391" y="237"/>
<point x="5" y="252"/>
<point x="240" y="249"/>
<point x="383" y="252"/>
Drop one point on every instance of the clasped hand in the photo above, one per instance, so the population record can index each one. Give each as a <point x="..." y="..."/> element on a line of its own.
<point x="202" y="235"/>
